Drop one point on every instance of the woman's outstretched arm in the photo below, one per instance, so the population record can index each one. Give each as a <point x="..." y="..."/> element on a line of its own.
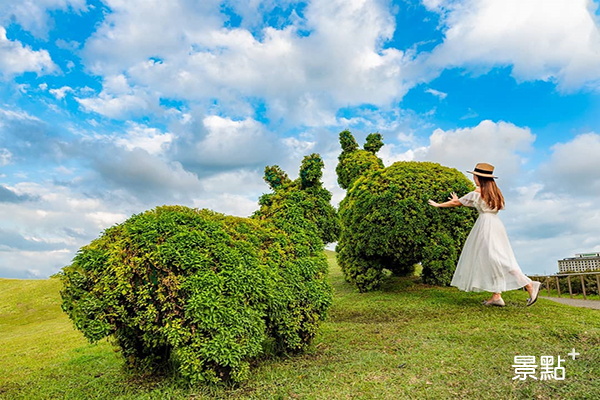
<point x="452" y="202"/>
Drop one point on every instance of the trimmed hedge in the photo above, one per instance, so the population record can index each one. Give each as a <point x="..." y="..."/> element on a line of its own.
<point x="202" y="292"/>
<point x="387" y="223"/>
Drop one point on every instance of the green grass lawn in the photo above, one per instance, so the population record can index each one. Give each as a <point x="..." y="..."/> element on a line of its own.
<point x="407" y="340"/>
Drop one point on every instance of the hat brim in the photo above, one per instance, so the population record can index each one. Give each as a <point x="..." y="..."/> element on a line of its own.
<point x="484" y="175"/>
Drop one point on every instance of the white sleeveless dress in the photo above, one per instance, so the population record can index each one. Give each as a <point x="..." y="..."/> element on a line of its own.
<point x="487" y="262"/>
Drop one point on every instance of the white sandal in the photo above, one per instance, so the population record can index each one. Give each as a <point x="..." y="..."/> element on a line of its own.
<point x="536" y="291"/>
<point x="499" y="303"/>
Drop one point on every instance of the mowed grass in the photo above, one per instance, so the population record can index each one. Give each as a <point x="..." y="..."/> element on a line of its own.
<point x="407" y="340"/>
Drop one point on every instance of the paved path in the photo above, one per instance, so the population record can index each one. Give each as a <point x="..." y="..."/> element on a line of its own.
<point x="575" y="302"/>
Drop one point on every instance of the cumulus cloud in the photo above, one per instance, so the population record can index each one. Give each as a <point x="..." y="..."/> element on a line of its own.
<point x="574" y="166"/>
<point x="304" y="77"/>
<point x="119" y="100"/>
<point x="206" y="144"/>
<point x="555" y="40"/>
<point x="16" y="58"/>
<point x="143" y="137"/>
<point x="501" y="144"/>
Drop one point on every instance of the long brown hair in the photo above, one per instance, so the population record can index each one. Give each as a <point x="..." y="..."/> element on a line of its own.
<point x="490" y="192"/>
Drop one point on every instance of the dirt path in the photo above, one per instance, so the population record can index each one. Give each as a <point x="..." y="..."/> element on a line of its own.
<point x="575" y="302"/>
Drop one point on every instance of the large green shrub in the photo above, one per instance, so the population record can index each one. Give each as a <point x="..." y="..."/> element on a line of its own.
<point x="387" y="223"/>
<point x="203" y="292"/>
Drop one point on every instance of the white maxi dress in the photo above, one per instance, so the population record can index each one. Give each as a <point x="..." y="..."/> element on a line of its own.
<point x="487" y="262"/>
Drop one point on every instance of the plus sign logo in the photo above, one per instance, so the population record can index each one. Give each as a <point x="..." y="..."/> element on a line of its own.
<point x="573" y="354"/>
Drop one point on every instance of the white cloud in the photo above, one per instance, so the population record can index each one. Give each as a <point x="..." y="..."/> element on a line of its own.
<point x="138" y="29"/>
<point x="150" y="139"/>
<point x="33" y="15"/>
<point x="304" y="78"/>
<point x="501" y="144"/>
<point x="60" y="93"/>
<point x="103" y="219"/>
<point x="298" y="147"/>
<point x="119" y="100"/>
<point x="57" y="216"/>
<point x="556" y="40"/>
<point x="16" y="115"/>
<point x="233" y="142"/>
<point x="16" y="58"/>
<point x="545" y="226"/>
<point x="209" y="144"/>
<point x="437" y="93"/>
<point x="574" y="166"/>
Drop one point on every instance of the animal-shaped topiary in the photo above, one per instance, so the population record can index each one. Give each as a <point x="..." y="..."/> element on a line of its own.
<point x="207" y="293"/>
<point x="386" y="222"/>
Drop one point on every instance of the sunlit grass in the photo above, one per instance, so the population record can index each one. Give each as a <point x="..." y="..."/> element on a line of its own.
<point x="406" y="340"/>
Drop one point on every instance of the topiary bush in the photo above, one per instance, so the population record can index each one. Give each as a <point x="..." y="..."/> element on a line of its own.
<point x="303" y="203"/>
<point x="204" y="293"/>
<point x="354" y="162"/>
<point x="387" y="223"/>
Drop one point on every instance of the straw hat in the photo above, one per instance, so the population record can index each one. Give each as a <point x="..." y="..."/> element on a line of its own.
<point x="484" y="169"/>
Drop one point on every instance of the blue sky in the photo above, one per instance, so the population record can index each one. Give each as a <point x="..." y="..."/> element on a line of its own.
<point x="108" y="108"/>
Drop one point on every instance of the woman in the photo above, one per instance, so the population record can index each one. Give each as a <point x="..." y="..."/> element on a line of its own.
<point x="487" y="262"/>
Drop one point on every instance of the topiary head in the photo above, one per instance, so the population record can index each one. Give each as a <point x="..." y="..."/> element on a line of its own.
<point x="275" y="177"/>
<point x="302" y="204"/>
<point x="354" y="162"/>
<point x="374" y="142"/>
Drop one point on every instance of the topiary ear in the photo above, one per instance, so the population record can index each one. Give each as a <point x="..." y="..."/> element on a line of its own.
<point x="311" y="170"/>
<point x="374" y="142"/>
<point x="347" y="141"/>
<point x="275" y="177"/>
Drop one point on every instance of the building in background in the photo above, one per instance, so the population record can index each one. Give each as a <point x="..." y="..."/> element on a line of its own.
<point x="581" y="262"/>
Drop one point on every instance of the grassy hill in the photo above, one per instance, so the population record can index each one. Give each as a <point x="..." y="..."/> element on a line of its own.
<point x="407" y="340"/>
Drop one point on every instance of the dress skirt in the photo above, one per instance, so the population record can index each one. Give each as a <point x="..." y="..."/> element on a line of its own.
<point x="487" y="262"/>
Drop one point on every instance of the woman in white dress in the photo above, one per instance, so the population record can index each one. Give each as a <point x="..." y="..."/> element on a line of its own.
<point x="487" y="262"/>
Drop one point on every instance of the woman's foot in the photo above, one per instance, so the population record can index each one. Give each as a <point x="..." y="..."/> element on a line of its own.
<point x="533" y="290"/>
<point x="494" y="301"/>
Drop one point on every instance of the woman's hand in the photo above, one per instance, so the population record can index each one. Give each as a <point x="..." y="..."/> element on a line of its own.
<point x="452" y="202"/>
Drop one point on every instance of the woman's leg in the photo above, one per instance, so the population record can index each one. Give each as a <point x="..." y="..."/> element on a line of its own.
<point x="523" y="278"/>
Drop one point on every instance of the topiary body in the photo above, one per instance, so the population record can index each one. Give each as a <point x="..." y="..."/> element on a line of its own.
<point x="387" y="223"/>
<point x="203" y="291"/>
